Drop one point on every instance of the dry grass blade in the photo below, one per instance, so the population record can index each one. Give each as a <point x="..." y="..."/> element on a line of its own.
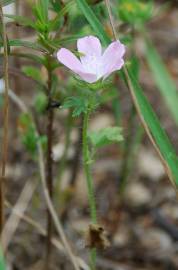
<point x="56" y="243"/>
<point x="53" y="212"/>
<point x="12" y="223"/>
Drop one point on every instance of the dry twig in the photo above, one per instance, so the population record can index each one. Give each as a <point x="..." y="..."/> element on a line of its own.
<point x="12" y="223"/>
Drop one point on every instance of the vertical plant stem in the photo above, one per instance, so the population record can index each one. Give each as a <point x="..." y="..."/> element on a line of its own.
<point x="49" y="164"/>
<point x="87" y="168"/>
<point x="5" y="118"/>
<point x="89" y="179"/>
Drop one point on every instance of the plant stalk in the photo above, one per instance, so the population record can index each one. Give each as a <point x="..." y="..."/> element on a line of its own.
<point x="89" y="179"/>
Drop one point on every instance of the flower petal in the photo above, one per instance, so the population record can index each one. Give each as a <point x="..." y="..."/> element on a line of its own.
<point x="68" y="59"/>
<point x="112" y="58"/>
<point x="89" y="46"/>
<point x="118" y="66"/>
<point x="88" y="77"/>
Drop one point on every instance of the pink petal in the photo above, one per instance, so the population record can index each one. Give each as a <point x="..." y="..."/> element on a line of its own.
<point x="68" y="59"/>
<point x="118" y="66"/>
<point x="112" y="58"/>
<point x="88" y="77"/>
<point x="89" y="46"/>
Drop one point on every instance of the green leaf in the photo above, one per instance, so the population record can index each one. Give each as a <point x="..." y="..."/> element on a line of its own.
<point x="33" y="73"/>
<point x="151" y="122"/>
<point x="93" y="21"/>
<point x="65" y="40"/>
<point x="43" y="6"/>
<point x="30" y="56"/>
<point x="40" y="102"/>
<point x="135" y="66"/>
<point x="41" y="10"/>
<point x="27" y="44"/>
<point x="56" y="5"/>
<point x="159" y="135"/>
<point x="21" y="20"/>
<point x="163" y="79"/>
<point x="106" y="136"/>
<point x="28" y="133"/>
<point x="55" y="23"/>
<point x="79" y="104"/>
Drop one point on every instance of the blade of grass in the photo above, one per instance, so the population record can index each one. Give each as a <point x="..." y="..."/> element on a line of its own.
<point x="163" y="79"/>
<point x="147" y="116"/>
<point x="93" y="21"/>
<point x="157" y="134"/>
<point x="54" y="24"/>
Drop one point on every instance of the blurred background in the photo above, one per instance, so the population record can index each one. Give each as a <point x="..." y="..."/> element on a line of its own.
<point x="136" y="202"/>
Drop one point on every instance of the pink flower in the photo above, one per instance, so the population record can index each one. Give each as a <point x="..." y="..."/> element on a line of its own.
<point x="93" y="65"/>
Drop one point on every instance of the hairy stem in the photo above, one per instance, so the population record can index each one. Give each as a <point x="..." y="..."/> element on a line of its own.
<point x="89" y="179"/>
<point x="87" y="169"/>
<point x="5" y="117"/>
<point x="49" y="163"/>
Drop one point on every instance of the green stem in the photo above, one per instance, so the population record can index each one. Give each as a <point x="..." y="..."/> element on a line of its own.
<point x="89" y="179"/>
<point x="87" y="168"/>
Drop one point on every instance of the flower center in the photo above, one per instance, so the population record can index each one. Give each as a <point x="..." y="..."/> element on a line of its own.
<point x="92" y="64"/>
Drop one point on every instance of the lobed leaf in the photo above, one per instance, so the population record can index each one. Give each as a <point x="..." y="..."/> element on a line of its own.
<point x="106" y="136"/>
<point x="79" y="104"/>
